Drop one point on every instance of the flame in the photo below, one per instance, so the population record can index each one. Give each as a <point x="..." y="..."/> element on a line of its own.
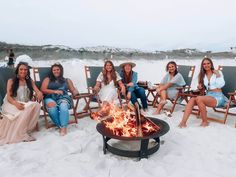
<point x="123" y="122"/>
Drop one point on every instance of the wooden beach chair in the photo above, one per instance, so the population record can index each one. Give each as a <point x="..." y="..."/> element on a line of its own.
<point x="187" y="73"/>
<point x="5" y="74"/>
<point x="91" y="73"/>
<point x="42" y="72"/>
<point x="229" y="91"/>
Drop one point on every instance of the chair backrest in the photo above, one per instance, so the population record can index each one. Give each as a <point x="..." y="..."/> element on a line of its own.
<point x="229" y="73"/>
<point x="92" y="73"/>
<point x="187" y="73"/>
<point x="39" y="74"/>
<point x="5" y="74"/>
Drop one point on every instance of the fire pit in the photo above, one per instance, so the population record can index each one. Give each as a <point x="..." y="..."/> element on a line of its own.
<point x="108" y="134"/>
<point x="128" y="124"/>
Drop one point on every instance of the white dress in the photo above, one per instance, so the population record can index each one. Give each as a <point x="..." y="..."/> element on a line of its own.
<point x="16" y="124"/>
<point x="108" y="92"/>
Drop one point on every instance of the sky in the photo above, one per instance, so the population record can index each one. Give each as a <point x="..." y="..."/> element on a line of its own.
<point x="141" y="24"/>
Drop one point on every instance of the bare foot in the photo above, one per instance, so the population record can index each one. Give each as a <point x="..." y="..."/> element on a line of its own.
<point x="63" y="131"/>
<point x="182" y="125"/>
<point x="204" y="124"/>
<point x="156" y="113"/>
<point x="168" y="114"/>
<point x="30" y="138"/>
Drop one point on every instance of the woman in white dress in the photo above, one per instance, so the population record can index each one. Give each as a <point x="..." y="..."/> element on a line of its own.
<point x="20" y="114"/>
<point x="106" y="85"/>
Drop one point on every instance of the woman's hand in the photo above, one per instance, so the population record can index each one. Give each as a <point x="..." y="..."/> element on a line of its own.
<point x="128" y="96"/>
<point x="39" y="96"/>
<point x="123" y="90"/>
<point x="75" y="92"/>
<point x="130" y="84"/>
<point x="216" y="72"/>
<point x="158" y="90"/>
<point x="19" y="106"/>
<point x="96" y="89"/>
<point x="58" y="92"/>
<point x="200" y="87"/>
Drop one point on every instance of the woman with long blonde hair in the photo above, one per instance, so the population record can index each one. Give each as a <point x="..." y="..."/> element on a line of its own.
<point x="212" y="81"/>
<point x="106" y="84"/>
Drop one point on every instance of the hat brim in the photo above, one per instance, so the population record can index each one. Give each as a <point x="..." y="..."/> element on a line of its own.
<point x="127" y="63"/>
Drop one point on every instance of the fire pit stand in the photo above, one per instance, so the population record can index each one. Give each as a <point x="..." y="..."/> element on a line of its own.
<point x="144" y="141"/>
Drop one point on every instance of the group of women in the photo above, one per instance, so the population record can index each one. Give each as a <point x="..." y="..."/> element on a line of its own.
<point x="20" y="112"/>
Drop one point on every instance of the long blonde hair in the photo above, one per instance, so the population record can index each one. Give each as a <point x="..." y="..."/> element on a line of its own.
<point x="203" y="71"/>
<point x="113" y="73"/>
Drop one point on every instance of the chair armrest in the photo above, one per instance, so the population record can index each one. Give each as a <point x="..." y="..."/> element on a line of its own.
<point x="180" y="88"/>
<point x="232" y="93"/>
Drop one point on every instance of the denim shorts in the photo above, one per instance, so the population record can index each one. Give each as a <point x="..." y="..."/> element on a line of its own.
<point x="221" y="99"/>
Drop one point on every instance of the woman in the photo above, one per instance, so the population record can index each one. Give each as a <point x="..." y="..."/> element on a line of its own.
<point x="20" y="114"/>
<point x="167" y="88"/>
<point x="212" y="80"/>
<point x="58" y="102"/>
<point x="106" y="84"/>
<point x="129" y="78"/>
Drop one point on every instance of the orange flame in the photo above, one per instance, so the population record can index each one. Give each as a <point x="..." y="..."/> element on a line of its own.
<point x="123" y="122"/>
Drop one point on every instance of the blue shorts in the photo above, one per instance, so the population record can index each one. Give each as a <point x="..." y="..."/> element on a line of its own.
<point x="221" y="100"/>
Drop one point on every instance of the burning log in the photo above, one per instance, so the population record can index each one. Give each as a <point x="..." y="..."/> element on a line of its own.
<point x="126" y="121"/>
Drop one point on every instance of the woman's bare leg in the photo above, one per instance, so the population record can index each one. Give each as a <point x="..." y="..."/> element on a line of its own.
<point x="187" y="112"/>
<point x="202" y="102"/>
<point x="160" y="106"/>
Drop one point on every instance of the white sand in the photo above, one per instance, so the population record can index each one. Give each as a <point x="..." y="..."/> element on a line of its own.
<point x="192" y="152"/>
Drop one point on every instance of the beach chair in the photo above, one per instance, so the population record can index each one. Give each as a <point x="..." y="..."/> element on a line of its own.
<point x="5" y="74"/>
<point x="187" y="73"/>
<point x="91" y="73"/>
<point x="42" y="72"/>
<point x="229" y="91"/>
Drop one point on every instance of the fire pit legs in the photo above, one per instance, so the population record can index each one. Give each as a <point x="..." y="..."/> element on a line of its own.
<point x="142" y="153"/>
<point x="105" y="139"/>
<point x="146" y="147"/>
<point x="143" y="149"/>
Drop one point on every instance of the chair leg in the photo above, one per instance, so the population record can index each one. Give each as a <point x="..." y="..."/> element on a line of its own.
<point x="155" y="101"/>
<point x="174" y="104"/>
<point x="45" y="117"/>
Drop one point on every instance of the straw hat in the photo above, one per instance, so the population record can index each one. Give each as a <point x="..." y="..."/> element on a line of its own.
<point x="127" y="63"/>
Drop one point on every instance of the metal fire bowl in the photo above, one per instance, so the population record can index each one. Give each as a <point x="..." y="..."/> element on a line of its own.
<point x="144" y="141"/>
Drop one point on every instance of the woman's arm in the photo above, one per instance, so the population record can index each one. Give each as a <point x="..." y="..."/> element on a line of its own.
<point x="220" y="82"/>
<point x="39" y="94"/>
<point x="97" y="86"/>
<point x="10" y="99"/>
<point x="164" y="86"/>
<point x="134" y="79"/>
<point x="121" y="85"/>
<point x="72" y="88"/>
<point x="45" y="90"/>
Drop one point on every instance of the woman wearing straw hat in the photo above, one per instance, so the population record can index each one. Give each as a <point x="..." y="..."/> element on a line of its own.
<point x="129" y="78"/>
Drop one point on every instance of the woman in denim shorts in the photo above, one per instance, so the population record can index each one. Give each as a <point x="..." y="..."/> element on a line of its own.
<point x="212" y="80"/>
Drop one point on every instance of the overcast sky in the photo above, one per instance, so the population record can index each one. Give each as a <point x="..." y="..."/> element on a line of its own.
<point x="143" y="24"/>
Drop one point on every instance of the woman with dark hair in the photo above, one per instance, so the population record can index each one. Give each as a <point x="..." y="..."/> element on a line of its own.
<point x="20" y="114"/>
<point x="106" y="84"/>
<point x="168" y="85"/>
<point x="58" y="102"/>
<point x="212" y="80"/>
<point x="133" y="91"/>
